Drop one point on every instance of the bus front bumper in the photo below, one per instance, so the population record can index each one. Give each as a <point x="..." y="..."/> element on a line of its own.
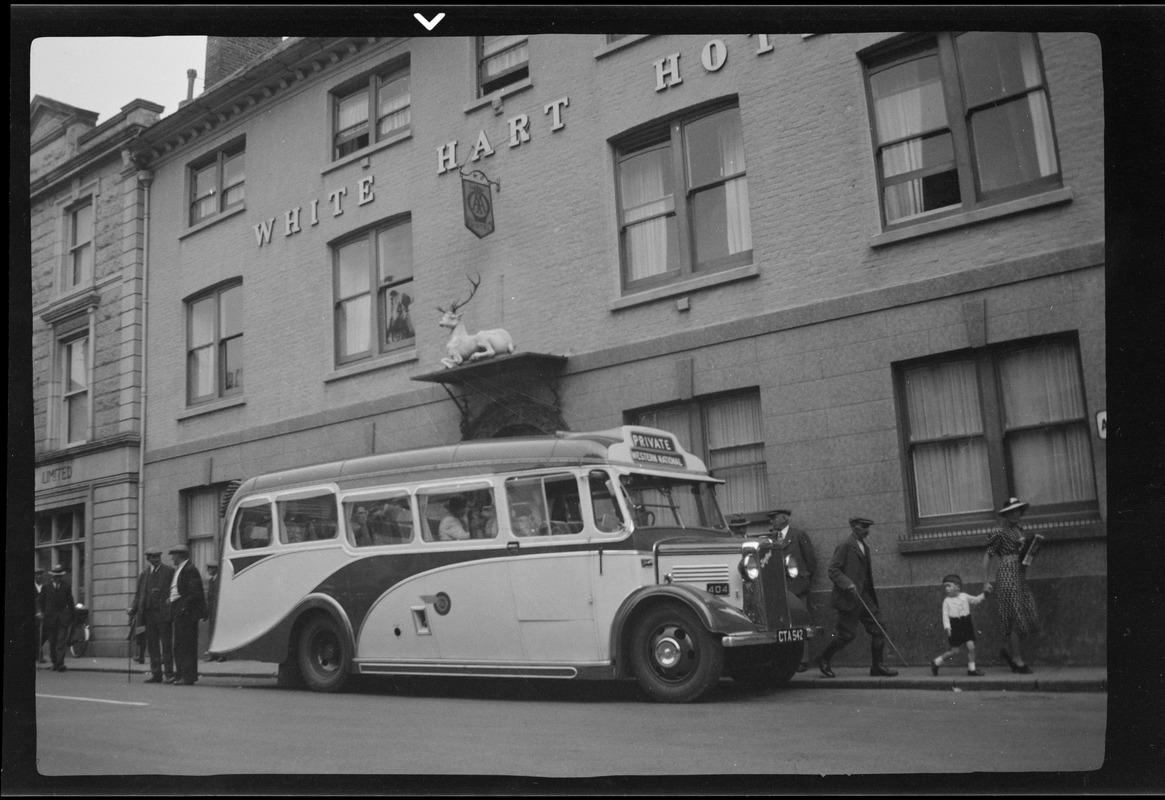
<point x="784" y="636"/>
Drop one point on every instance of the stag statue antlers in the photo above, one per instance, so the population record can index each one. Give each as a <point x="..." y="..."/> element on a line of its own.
<point x="463" y="346"/>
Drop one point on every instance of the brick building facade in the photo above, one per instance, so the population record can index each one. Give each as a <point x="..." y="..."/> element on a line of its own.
<point x="858" y="273"/>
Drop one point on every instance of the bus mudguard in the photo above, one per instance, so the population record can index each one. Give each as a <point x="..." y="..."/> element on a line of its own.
<point x="275" y="646"/>
<point x="714" y="614"/>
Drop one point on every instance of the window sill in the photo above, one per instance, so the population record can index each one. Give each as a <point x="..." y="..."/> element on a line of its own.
<point x="381" y="362"/>
<point x="499" y="94"/>
<point x="607" y="49"/>
<point x="210" y="223"/>
<point x="360" y="155"/>
<point x="211" y="407"/>
<point x="684" y="287"/>
<point x="975" y="537"/>
<point x="1044" y="200"/>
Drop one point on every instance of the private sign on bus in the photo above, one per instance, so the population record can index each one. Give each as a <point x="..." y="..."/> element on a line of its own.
<point x="598" y="555"/>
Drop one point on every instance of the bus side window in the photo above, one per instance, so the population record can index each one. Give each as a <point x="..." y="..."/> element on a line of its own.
<point x="391" y="521"/>
<point x="252" y="528"/>
<point x="307" y="519"/>
<point x="608" y="518"/>
<point x="565" y="507"/>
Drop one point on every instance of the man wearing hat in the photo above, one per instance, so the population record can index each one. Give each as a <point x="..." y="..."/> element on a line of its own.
<point x="38" y="582"/>
<point x="800" y="561"/>
<point x="187" y="609"/>
<point x="57" y="615"/>
<point x="855" y="600"/>
<point x="151" y="608"/>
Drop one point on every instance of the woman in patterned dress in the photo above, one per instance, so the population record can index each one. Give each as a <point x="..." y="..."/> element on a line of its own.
<point x="1017" y="607"/>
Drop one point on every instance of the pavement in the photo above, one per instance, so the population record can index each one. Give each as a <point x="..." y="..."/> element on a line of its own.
<point x="953" y="678"/>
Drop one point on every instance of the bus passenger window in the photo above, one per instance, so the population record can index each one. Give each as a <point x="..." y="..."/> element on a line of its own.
<point x="390" y="521"/>
<point x="307" y="519"/>
<point x="458" y="516"/>
<point x="608" y="518"/>
<point x="252" y="528"/>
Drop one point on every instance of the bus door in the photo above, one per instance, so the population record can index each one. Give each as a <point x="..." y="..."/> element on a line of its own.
<point x="550" y="568"/>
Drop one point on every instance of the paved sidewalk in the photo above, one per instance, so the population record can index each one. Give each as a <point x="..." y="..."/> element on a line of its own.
<point x="1042" y="679"/>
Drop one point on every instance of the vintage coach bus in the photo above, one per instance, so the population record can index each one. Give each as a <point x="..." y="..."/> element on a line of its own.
<point x="578" y="555"/>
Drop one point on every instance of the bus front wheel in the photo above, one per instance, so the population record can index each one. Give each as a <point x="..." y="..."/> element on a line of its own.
<point x="324" y="660"/>
<point x="674" y="659"/>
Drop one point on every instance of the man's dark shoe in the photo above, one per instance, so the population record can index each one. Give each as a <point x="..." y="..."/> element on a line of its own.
<point x="881" y="671"/>
<point x="154" y="679"/>
<point x="823" y="665"/>
<point x="976" y="673"/>
<point x="183" y="682"/>
<point x="171" y="679"/>
<point x="802" y="667"/>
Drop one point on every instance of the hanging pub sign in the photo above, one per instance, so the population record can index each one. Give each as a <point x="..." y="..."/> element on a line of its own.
<point x="477" y="200"/>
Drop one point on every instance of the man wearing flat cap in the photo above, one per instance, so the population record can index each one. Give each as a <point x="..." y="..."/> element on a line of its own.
<point x="151" y="608"/>
<point x="855" y="600"/>
<point x="800" y="561"/>
<point x="187" y="609"/>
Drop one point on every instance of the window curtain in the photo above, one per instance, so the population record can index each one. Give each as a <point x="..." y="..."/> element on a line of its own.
<point x="647" y="195"/>
<point x="736" y="452"/>
<point x="353" y="111"/>
<point x="502" y="53"/>
<point x="1038" y="108"/>
<point x="951" y="475"/>
<point x="730" y="145"/>
<point x="1043" y="397"/>
<point x="202" y="522"/>
<point x="394" y="100"/>
<point x="899" y="95"/>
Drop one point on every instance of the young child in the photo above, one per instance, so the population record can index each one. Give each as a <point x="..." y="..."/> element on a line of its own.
<point x="958" y="624"/>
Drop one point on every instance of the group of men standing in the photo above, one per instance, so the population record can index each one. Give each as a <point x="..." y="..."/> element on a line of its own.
<point x="854" y="597"/>
<point x="169" y="603"/>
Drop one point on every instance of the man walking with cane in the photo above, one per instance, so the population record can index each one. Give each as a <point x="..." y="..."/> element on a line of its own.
<point x="855" y="600"/>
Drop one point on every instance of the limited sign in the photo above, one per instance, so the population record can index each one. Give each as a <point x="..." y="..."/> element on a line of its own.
<point x="477" y="199"/>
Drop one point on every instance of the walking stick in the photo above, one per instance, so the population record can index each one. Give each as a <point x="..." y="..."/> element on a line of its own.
<point x="883" y="630"/>
<point x="133" y="627"/>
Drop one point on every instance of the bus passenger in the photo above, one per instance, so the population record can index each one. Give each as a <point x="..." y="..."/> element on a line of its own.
<point x="453" y="526"/>
<point x="360" y="534"/>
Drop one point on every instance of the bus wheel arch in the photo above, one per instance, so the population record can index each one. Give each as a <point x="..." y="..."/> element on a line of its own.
<point x="322" y="651"/>
<point x="672" y="655"/>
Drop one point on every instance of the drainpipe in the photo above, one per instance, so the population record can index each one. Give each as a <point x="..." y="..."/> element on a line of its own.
<point x="145" y="178"/>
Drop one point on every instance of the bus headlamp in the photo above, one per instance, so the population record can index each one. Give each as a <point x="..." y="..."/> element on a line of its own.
<point x="750" y="567"/>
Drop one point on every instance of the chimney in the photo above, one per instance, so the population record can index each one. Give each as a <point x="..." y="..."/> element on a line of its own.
<point x="191" y="74"/>
<point x="225" y="54"/>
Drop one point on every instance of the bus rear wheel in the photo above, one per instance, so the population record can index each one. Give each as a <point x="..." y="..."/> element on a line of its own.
<point x="324" y="659"/>
<point x="674" y="659"/>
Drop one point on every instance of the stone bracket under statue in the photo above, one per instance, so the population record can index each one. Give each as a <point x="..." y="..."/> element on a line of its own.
<point x="505" y="395"/>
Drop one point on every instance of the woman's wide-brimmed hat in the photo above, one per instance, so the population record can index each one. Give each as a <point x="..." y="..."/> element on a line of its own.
<point x="1014" y="504"/>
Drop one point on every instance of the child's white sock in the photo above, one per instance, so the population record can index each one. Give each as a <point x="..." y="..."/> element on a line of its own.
<point x="971" y="665"/>
<point x="938" y="662"/>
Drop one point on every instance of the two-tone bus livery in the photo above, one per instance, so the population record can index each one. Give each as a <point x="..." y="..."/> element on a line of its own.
<point x="578" y="555"/>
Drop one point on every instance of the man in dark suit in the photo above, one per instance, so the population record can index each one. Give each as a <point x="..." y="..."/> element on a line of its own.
<point x="38" y="582"/>
<point x="800" y="561"/>
<point x="187" y="609"/>
<point x="151" y="607"/>
<point x="57" y="615"/>
<point x="855" y="600"/>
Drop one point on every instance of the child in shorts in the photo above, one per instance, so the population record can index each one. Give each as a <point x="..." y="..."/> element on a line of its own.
<point x="958" y="624"/>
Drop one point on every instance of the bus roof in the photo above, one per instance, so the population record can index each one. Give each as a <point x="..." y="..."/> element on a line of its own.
<point x="629" y="445"/>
